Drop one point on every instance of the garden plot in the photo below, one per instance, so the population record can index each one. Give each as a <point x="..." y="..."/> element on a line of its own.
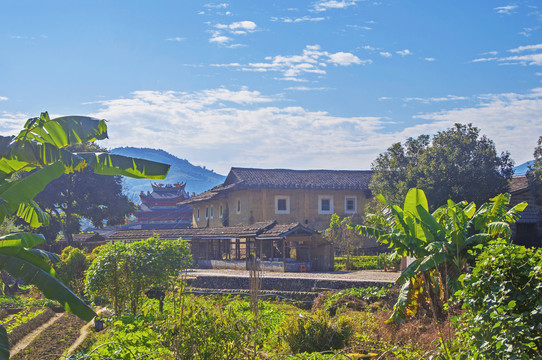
<point x="36" y="332"/>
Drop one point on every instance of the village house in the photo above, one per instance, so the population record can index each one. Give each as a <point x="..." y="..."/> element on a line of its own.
<point x="527" y="230"/>
<point x="308" y="197"/>
<point x="288" y="207"/>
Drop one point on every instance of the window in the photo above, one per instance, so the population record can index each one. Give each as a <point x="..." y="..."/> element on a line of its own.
<point x="238" y="206"/>
<point x="350" y="205"/>
<point x="282" y="204"/>
<point x="212" y="212"/>
<point x="325" y="204"/>
<point x="206" y="213"/>
<point x="197" y="217"/>
<point x="220" y="212"/>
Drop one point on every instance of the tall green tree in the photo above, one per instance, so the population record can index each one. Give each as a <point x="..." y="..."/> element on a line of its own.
<point x="456" y="164"/>
<point x="534" y="174"/>
<point x="41" y="148"/>
<point x="69" y="198"/>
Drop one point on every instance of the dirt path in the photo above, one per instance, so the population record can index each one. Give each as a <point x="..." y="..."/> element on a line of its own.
<point x="21" y="345"/>
<point x="84" y="333"/>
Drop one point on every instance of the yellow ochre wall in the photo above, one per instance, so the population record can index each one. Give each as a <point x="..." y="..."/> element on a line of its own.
<point x="259" y="205"/>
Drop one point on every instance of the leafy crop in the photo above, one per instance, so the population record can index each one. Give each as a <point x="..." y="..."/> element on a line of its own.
<point x="503" y="299"/>
<point x="20" y="318"/>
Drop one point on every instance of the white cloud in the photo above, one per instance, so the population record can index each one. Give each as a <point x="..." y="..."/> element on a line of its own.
<point x="245" y="26"/>
<point x="235" y="28"/>
<point x="526" y="48"/>
<point x="512" y="120"/>
<point x="176" y="39"/>
<point x="219" y="39"/>
<point x="525" y="59"/>
<point x="484" y="59"/>
<point x="344" y="59"/>
<point x="216" y="6"/>
<point x="430" y="59"/>
<point x="222" y="128"/>
<point x="3" y="98"/>
<point x="528" y="31"/>
<point x="299" y="19"/>
<point x="313" y="60"/>
<point x="333" y="4"/>
<point x="505" y="9"/>
<point x="385" y="54"/>
<point x="404" y="52"/>
<point x="436" y="99"/>
<point x="534" y="59"/>
<point x="306" y="88"/>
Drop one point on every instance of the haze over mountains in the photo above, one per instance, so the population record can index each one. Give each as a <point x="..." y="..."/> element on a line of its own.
<point x="198" y="179"/>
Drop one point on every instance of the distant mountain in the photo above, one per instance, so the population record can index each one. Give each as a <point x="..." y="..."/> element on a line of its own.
<point x="198" y="179"/>
<point x="523" y="168"/>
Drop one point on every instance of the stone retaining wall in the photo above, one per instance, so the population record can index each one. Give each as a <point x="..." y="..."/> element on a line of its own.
<point x="278" y="283"/>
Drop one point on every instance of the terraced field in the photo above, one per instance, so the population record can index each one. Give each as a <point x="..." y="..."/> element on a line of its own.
<point x="36" y="333"/>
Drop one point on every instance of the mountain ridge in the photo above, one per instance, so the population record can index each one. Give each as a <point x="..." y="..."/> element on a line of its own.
<point x="198" y="178"/>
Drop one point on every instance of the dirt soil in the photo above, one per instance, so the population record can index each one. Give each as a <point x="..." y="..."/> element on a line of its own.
<point x="54" y="340"/>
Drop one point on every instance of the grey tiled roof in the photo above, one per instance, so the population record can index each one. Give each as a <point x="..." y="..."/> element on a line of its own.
<point x="301" y="179"/>
<point x="267" y="230"/>
<point x="85" y="237"/>
<point x="242" y="178"/>
<point x="518" y="183"/>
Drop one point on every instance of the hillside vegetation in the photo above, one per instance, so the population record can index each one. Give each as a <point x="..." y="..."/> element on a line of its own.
<point x="198" y="179"/>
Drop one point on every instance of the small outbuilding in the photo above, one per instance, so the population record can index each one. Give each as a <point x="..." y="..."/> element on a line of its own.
<point x="278" y="247"/>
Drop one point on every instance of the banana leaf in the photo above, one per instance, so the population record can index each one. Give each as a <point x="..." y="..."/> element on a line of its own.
<point x="4" y="343"/>
<point x="26" y="240"/>
<point x="23" y="190"/>
<point x="33" y="214"/>
<point x="112" y="164"/>
<point x="21" y="263"/>
<point x="64" y="131"/>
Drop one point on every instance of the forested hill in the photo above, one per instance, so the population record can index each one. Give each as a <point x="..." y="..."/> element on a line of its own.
<point x="523" y="168"/>
<point x="198" y="179"/>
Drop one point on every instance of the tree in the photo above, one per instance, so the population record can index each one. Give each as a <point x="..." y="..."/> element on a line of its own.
<point x="534" y="174"/>
<point x="40" y="148"/>
<point x="122" y="272"/>
<point x="67" y="199"/>
<point x="439" y="242"/>
<point x="342" y="234"/>
<point x="456" y="164"/>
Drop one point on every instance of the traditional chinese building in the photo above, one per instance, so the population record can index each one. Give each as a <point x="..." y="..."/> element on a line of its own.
<point x="160" y="208"/>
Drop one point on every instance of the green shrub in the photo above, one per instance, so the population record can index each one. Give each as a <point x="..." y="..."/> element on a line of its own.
<point x="71" y="269"/>
<point x="122" y="272"/>
<point x="357" y="263"/>
<point x="355" y="298"/>
<point x="503" y="299"/>
<point x="316" y="333"/>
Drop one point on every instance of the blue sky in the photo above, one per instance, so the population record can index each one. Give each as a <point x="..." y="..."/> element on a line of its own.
<point x="291" y="84"/>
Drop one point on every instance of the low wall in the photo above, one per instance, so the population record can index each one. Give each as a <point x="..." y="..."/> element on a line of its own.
<point x="278" y="283"/>
<point x="275" y="266"/>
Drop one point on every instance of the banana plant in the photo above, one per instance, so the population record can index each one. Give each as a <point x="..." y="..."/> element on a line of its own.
<point x="439" y="242"/>
<point x="41" y="150"/>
